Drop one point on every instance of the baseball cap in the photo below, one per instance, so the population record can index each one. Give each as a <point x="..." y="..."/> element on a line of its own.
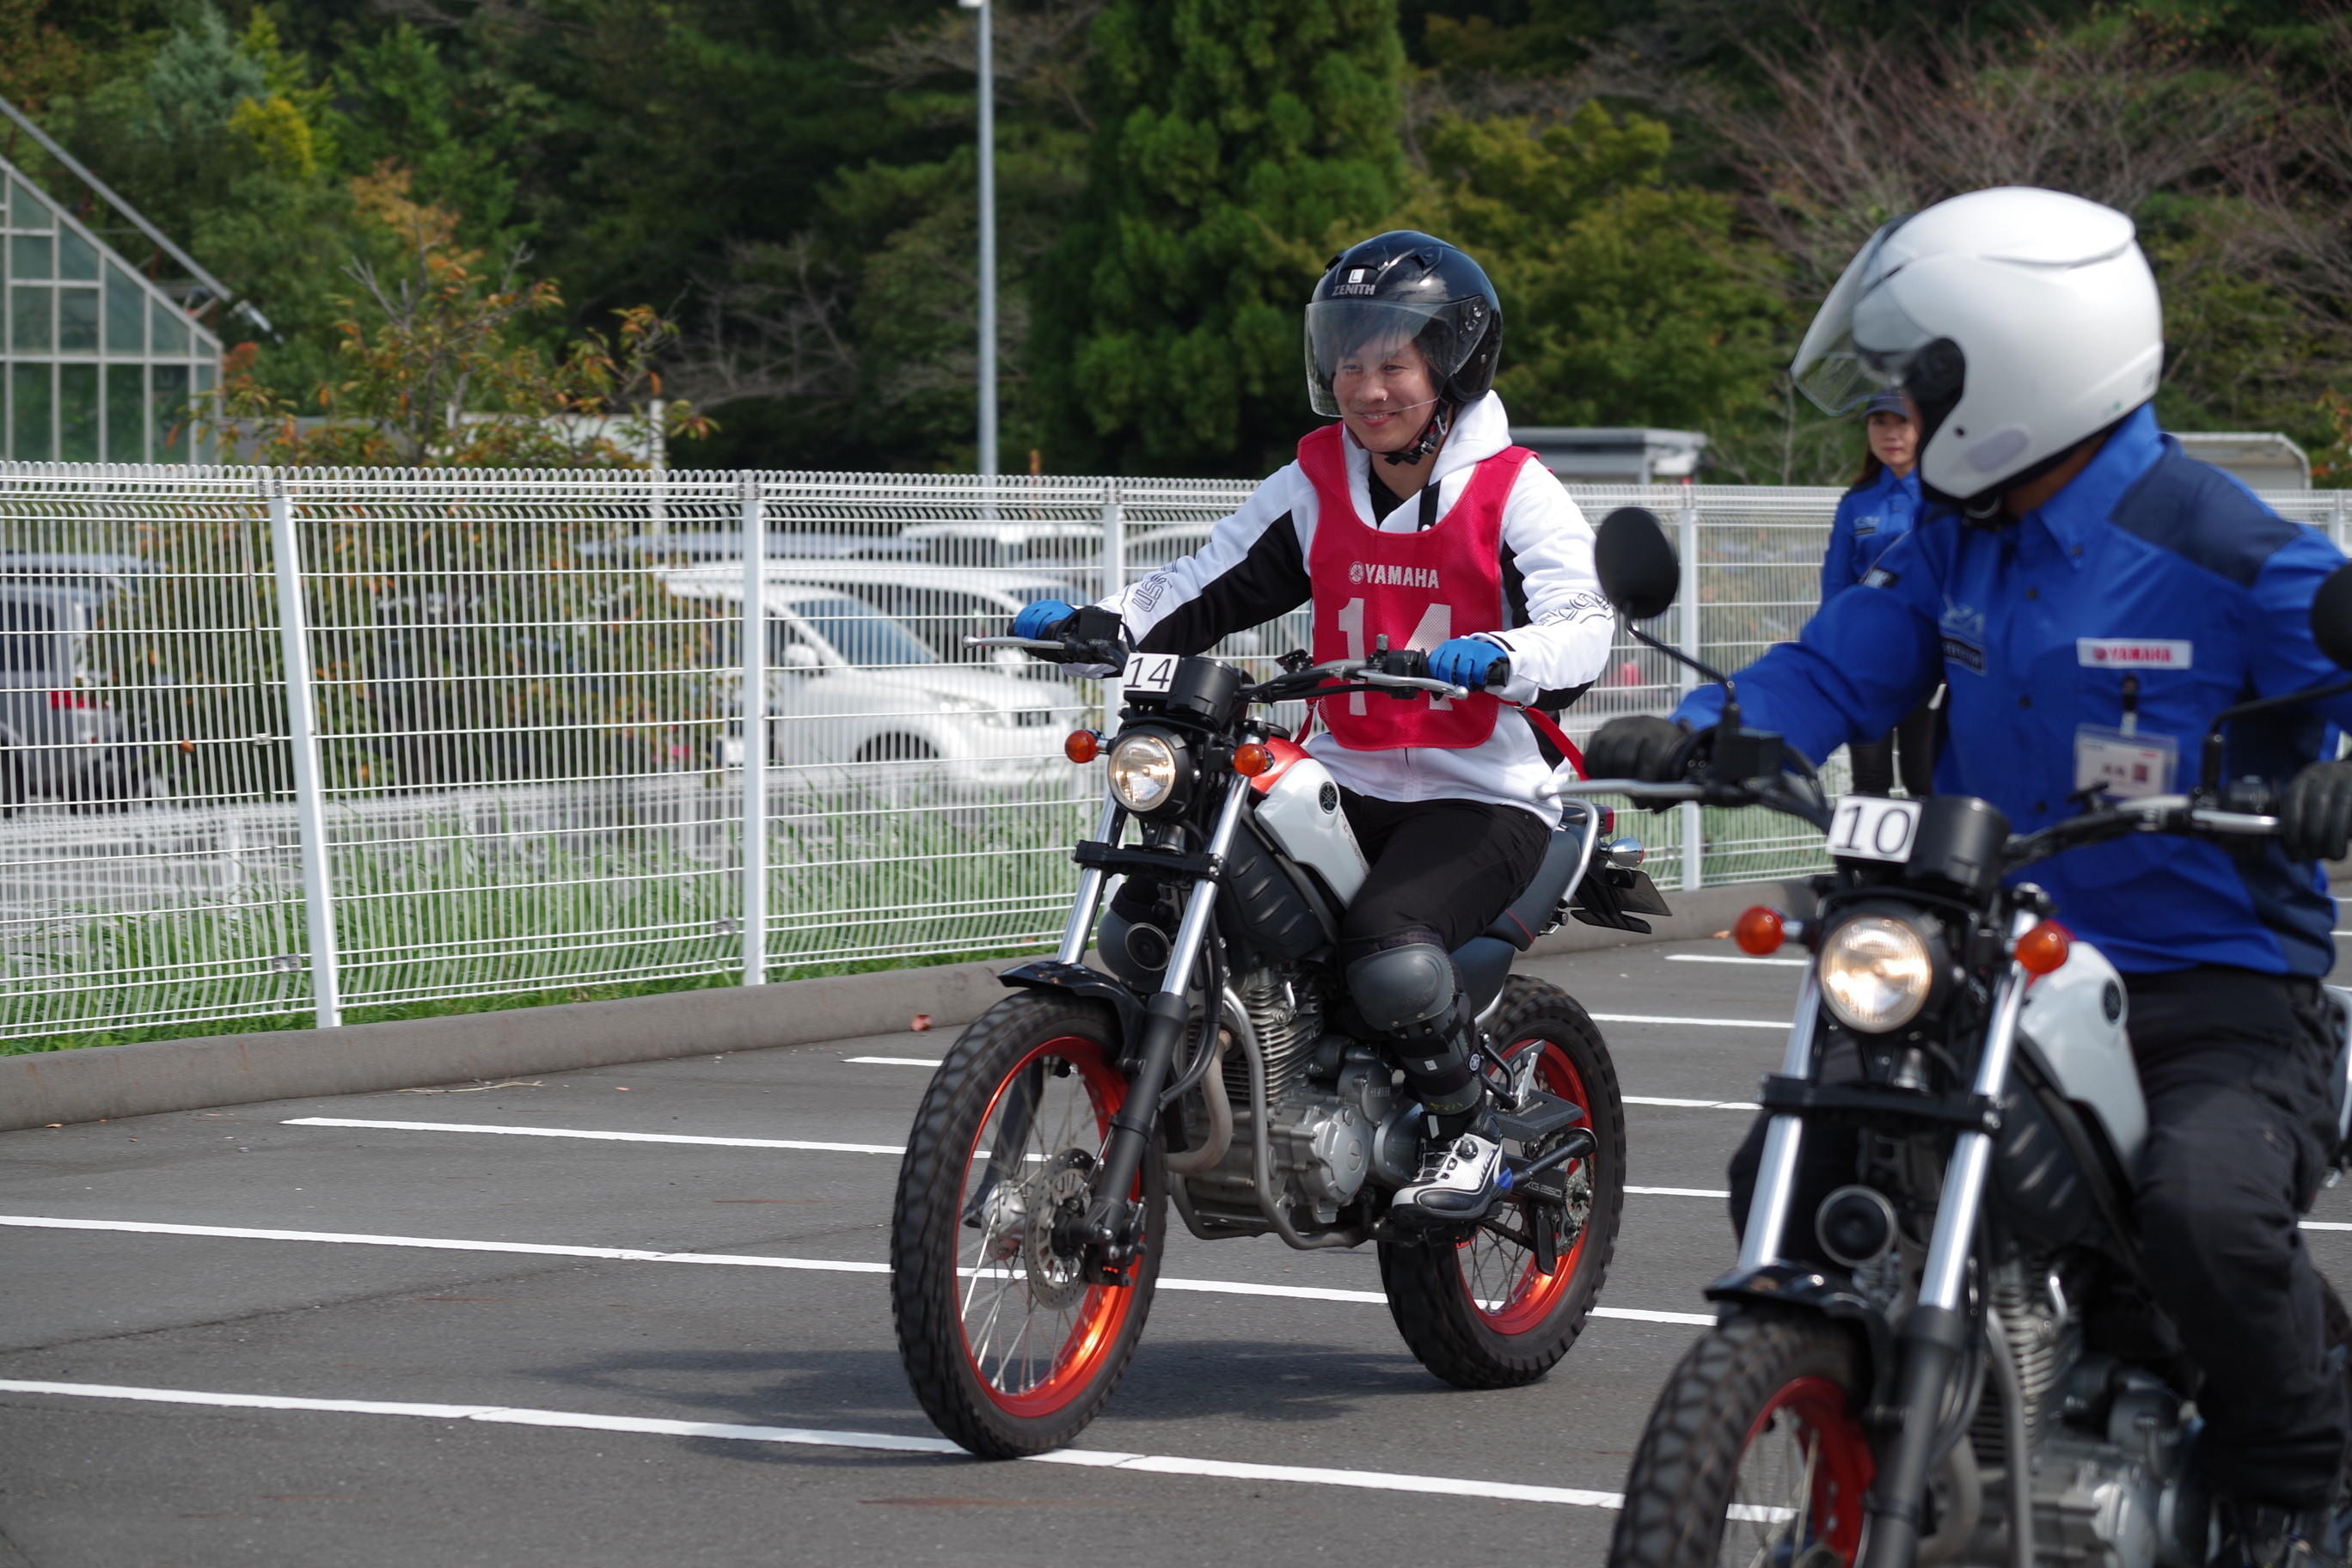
<point x="1886" y="403"/>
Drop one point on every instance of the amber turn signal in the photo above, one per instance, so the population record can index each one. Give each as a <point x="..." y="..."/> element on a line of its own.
<point x="2045" y="949"/>
<point x="1083" y="746"/>
<point x="1759" y="930"/>
<point x="1250" y="759"/>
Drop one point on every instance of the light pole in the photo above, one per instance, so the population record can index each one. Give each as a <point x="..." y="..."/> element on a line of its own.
<point x="987" y="245"/>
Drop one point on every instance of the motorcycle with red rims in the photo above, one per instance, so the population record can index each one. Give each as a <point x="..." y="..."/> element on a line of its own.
<point x="1215" y="1065"/>
<point x="1979" y="1373"/>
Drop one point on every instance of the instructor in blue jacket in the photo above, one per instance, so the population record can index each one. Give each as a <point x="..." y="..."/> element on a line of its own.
<point x="2086" y="590"/>
<point x="1877" y="510"/>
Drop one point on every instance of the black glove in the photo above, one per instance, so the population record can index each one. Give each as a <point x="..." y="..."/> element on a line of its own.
<point x="2316" y="818"/>
<point x="1656" y="751"/>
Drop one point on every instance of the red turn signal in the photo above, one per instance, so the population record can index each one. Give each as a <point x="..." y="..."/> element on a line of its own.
<point x="1250" y="759"/>
<point x="2045" y="949"/>
<point x="1083" y="746"/>
<point x="1759" y="930"/>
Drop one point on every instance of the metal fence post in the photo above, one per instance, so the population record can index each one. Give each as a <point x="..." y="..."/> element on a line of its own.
<point x="302" y="712"/>
<point x="1694" y="826"/>
<point x="754" y="634"/>
<point x="1114" y="574"/>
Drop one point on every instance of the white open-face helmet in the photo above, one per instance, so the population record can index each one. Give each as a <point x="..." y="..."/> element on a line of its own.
<point x="2019" y="322"/>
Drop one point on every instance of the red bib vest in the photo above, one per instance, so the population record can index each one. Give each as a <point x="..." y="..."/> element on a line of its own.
<point x="1416" y="589"/>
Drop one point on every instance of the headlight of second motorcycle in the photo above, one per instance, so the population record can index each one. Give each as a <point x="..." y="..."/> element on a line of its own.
<point x="1149" y="772"/>
<point x="1876" y="973"/>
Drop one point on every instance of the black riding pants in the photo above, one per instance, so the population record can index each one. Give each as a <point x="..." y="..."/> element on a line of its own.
<point x="2234" y="1066"/>
<point x="1442" y="868"/>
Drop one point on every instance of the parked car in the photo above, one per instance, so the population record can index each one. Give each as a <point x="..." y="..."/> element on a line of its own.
<point x="58" y="740"/>
<point x="938" y="603"/>
<point x="848" y="684"/>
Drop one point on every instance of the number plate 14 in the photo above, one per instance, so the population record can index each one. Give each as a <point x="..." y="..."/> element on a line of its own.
<point x="1872" y="827"/>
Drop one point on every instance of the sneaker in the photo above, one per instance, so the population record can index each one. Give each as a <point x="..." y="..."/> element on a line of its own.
<point x="2263" y="1535"/>
<point x="1457" y="1185"/>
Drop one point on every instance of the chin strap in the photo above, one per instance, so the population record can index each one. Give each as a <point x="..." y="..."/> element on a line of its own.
<point x="1432" y="435"/>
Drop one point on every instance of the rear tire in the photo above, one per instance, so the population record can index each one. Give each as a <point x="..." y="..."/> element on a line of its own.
<point x="1009" y="1351"/>
<point x="1476" y="1312"/>
<point x="1757" y="1406"/>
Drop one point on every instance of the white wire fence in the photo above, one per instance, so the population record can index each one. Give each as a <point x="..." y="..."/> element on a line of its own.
<point x="306" y="741"/>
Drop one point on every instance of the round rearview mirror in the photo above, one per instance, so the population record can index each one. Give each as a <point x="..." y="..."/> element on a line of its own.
<point x="2331" y="616"/>
<point x="1637" y="567"/>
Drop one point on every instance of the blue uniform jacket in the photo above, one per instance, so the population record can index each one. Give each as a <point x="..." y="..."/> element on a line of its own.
<point x="1869" y="518"/>
<point x="2148" y="564"/>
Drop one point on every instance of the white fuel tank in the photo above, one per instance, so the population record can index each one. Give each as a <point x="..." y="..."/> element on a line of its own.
<point x="2076" y="1016"/>
<point x="1298" y="806"/>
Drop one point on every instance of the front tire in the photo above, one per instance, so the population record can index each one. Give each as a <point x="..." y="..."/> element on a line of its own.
<point x="1009" y="1349"/>
<point x="1754" y="1453"/>
<point x="1478" y="1312"/>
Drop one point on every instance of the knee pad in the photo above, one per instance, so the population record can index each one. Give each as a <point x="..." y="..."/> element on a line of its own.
<point x="1406" y="991"/>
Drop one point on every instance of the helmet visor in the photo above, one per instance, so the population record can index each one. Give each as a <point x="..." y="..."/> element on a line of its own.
<point x="1355" y="341"/>
<point x="1861" y="342"/>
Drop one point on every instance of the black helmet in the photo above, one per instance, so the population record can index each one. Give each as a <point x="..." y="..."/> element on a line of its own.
<point x="1405" y="284"/>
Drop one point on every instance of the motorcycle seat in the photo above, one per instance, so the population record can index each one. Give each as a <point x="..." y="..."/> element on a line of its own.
<point x="1532" y="910"/>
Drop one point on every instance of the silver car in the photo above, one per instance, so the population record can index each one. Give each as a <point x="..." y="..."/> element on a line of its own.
<point x="58" y="740"/>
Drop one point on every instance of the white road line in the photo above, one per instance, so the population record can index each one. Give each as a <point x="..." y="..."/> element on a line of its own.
<point x="1692" y="1104"/>
<point x="895" y="1061"/>
<point x="1779" y="1024"/>
<point x="738" y="1260"/>
<point x="1735" y="958"/>
<point x="816" y="1437"/>
<point x="611" y="1137"/>
<point x="1677" y="1192"/>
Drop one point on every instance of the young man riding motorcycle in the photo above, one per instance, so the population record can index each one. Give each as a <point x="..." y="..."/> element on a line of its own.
<point x="1414" y="519"/>
<point x="2092" y="597"/>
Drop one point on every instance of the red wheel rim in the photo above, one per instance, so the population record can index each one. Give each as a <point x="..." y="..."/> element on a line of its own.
<point x="1840" y="1460"/>
<point x="1520" y="1299"/>
<point x="1070" y="1365"/>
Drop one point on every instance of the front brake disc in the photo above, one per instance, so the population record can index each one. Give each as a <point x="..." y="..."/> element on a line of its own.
<point x="1054" y="1277"/>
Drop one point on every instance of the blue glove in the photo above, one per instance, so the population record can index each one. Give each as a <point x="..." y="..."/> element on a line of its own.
<point x="1468" y="661"/>
<point x="1042" y="618"/>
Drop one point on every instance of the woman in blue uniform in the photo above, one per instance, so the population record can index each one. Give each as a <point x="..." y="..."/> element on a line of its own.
<point x="1878" y="511"/>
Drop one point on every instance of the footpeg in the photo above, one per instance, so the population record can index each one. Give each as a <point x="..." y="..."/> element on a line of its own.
<point x="1546" y="1117"/>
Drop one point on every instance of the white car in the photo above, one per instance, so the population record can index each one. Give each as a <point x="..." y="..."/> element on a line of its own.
<point x="943" y="606"/>
<point x="854" y="695"/>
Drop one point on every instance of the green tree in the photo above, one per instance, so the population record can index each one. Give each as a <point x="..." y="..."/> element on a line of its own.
<point x="435" y="367"/>
<point x="1240" y="144"/>
<point x="1628" y="300"/>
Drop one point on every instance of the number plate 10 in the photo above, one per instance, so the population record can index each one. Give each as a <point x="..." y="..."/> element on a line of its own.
<point x="1872" y="827"/>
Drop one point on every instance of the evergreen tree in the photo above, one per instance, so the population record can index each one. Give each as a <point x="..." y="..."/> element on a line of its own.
<point x="1240" y="144"/>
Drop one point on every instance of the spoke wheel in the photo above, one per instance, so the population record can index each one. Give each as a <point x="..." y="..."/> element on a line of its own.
<point x="1754" y="1457"/>
<point x="1479" y="1310"/>
<point x="1011" y="1348"/>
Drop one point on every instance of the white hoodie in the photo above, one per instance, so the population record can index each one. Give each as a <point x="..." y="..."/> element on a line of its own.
<point x="1253" y="568"/>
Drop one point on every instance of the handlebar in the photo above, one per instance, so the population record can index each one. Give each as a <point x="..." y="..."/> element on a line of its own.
<point x="1034" y="645"/>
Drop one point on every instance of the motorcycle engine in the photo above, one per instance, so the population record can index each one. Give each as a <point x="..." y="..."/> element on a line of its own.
<point x="1327" y="1099"/>
<point x="2108" y="1446"/>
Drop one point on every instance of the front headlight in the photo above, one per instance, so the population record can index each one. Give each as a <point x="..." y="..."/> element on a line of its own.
<point x="1145" y="772"/>
<point x="1876" y="973"/>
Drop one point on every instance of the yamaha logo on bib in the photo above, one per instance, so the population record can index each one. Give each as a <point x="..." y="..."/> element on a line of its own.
<point x="1382" y="575"/>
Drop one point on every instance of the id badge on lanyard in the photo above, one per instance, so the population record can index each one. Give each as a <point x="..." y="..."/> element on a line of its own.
<point x="2121" y="764"/>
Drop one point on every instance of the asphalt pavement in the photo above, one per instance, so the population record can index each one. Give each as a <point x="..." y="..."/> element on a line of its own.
<point x="639" y="1315"/>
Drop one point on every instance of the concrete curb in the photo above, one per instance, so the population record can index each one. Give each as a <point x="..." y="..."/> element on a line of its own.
<point x="99" y="1082"/>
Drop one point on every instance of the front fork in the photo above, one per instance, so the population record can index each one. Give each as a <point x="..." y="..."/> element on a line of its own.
<point x="1111" y="1219"/>
<point x="1938" y="1329"/>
